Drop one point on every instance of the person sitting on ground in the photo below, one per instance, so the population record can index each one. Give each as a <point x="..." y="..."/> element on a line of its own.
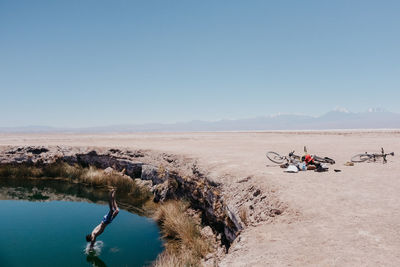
<point x="98" y="230"/>
<point x="308" y="159"/>
<point x="311" y="164"/>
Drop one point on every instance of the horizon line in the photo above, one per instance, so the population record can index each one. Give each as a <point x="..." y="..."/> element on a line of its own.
<point x="274" y="115"/>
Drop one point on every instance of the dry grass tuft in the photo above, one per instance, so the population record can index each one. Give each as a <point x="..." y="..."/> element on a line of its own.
<point x="97" y="177"/>
<point x="243" y="215"/>
<point x="183" y="259"/>
<point x="168" y="260"/>
<point x="185" y="244"/>
<point x="62" y="170"/>
<point x="11" y="171"/>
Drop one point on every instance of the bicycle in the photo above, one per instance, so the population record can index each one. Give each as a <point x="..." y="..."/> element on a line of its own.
<point x="319" y="159"/>
<point x="323" y="159"/>
<point x="278" y="159"/>
<point x="371" y="157"/>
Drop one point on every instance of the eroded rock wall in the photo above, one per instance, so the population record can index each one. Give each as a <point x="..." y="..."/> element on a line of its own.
<point x="167" y="176"/>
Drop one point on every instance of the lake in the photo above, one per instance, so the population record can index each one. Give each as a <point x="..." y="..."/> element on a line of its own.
<point x="52" y="233"/>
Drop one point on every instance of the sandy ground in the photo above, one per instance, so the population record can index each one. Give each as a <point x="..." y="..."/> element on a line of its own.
<point x="349" y="218"/>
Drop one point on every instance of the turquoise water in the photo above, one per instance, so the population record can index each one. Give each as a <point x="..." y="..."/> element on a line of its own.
<point x="37" y="233"/>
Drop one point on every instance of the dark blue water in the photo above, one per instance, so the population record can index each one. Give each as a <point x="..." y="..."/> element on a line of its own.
<point x="53" y="234"/>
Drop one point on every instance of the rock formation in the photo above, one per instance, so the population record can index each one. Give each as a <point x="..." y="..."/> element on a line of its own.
<point x="167" y="176"/>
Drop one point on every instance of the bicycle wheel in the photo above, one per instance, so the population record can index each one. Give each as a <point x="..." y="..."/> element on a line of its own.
<point x="361" y="157"/>
<point x="324" y="160"/>
<point x="275" y="157"/>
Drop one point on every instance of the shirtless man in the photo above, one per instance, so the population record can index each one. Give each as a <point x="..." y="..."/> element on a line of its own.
<point x="106" y="220"/>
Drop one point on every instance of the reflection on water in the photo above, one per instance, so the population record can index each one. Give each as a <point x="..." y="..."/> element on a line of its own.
<point x="94" y="253"/>
<point x="95" y="261"/>
<point x="40" y="189"/>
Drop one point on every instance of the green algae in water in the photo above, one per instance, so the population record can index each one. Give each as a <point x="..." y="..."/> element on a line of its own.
<point x="53" y="234"/>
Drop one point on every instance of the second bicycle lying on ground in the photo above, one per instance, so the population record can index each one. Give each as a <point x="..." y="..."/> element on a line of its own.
<point x="371" y="157"/>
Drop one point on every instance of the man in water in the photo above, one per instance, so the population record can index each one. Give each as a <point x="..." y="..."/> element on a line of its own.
<point x="106" y="220"/>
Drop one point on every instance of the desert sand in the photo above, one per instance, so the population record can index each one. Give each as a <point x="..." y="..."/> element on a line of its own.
<point x="347" y="218"/>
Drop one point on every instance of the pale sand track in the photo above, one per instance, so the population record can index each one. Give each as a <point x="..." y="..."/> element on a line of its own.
<point x="351" y="218"/>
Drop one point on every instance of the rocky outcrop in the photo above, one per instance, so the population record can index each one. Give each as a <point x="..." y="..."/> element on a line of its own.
<point x="167" y="176"/>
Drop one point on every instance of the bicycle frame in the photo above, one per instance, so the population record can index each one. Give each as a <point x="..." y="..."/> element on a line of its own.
<point x="375" y="156"/>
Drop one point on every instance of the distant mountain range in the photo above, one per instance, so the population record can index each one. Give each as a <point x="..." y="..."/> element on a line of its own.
<point x="337" y="119"/>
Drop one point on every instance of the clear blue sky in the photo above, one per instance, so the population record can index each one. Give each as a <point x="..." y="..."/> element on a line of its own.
<point x="91" y="62"/>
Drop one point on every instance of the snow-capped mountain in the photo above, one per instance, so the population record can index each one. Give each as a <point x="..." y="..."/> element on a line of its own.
<point x="339" y="118"/>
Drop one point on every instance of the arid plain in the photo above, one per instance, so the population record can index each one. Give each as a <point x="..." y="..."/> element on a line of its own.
<point x="347" y="218"/>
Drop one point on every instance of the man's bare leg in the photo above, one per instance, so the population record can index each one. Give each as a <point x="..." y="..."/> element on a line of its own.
<point x="111" y="199"/>
<point x="114" y="202"/>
